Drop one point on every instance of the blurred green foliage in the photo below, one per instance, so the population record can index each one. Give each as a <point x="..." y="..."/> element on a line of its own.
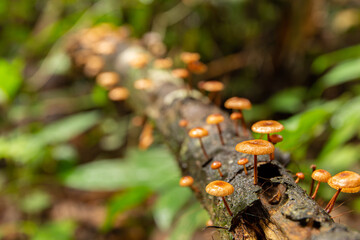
<point x="58" y="130"/>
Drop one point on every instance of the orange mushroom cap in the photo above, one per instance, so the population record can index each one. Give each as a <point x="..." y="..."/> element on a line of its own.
<point x="237" y="103"/>
<point x="140" y="60"/>
<point x="197" y="67"/>
<point x="183" y="123"/>
<point x="300" y="175"/>
<point x="276" y="138"/>
<point x="348" y="181"/>
<point x="267" y="126"/>
<point x="180" y="73"/>
<point x="198" y="132"/>
<point x="255" y="147"/>
<point x="188" y="57"/>
<point x="118" y="94"/>
<point x="219" y="188"/>
<point x="186" y="181"/>
<point x="216" y="165"/>
<point x="143" y="84"/>
<point x="215" y="118"/>
<point x="163" y="63"/>
<point x="235" y="116"/>
<point x="321" y="175"/>
<point x="242" y="161"/>
<point x="212" y="86"/>
<point x="107" y="79"/>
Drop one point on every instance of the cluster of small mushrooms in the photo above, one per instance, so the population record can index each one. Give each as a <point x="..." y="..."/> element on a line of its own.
<point x="102" y="40"/>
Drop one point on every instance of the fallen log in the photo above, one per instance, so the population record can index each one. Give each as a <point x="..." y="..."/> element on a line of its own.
<point x="275" y="208"/>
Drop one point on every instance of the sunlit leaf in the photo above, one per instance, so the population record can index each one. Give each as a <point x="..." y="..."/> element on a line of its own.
<point x="35" y="202"/>
<point x="59" y="230"/>
<point x="11" y="79"/>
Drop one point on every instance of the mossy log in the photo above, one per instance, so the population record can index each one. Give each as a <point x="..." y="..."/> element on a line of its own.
<point x="275" y="208"/>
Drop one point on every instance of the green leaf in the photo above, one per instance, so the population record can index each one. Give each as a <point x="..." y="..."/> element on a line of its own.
<point x="168" y="204"/>
<point x="154" y="168"/>
<point x="65" y="129"/>
<point x="124" y="201"/>
<point x="11" y="79"/>
<point x="59" y="230"/>
<point x="287" y="101"/>
<point x="193" y="219"/>
<point x="344" y="72"/>
<point x="35" y="202"/>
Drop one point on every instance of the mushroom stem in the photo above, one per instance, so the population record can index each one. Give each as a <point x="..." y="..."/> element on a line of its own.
<point x="246" y="134"/>
<point x="227" y="206"/>
<point x="220" y="134"/>
<point x="236" y="127"/>
<point x="316" y="190"/>
<point x="245" y="170"/>
<point x="268" y="137"/>
<point x="255" y="170"/>
<point x="332" y="201"/>
<point x="313" y="167"/>
<point x="203" y="148"/>
<point x="271" y="155"/>
<point x="297" y="180"/>
<point x="221" y="175"/>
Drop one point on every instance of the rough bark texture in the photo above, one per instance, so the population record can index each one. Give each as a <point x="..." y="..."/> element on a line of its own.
<point x="276" y="208"/>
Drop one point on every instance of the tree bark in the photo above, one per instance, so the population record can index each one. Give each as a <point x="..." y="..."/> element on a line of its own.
<point x="275" y="208"/>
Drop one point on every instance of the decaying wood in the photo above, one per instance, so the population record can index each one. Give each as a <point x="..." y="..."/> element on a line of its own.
<point x="276" y="208"/>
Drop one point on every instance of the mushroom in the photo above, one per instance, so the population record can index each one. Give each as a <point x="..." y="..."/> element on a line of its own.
<point x="107" y="79"/>
<point x="180" y="73"/>
<point x="243" y="161"/>
<point x="276" y="138"/>
<point x="213" y="87"/>
<point x="189" y="57"/>
<point x="346" y="181"/>
<point x="299" y="176"/>
<point x="319" y="175"/>
<point x="183" y="123"/>
<point x="216" y="119"/>
<point x="139" y="61"/>
<point x="188" y="181"/>
<point x="118" y="94"/>
<point x="255" y="147"/>
<point x="163" y="63"/>
<point x="93" y="65"/>
<point x="267" y="127"/>
<point x="313" y="167"/>
<point x="217" y="165"/>
<point x="197" y="67"/>
<point x="236" y="103"/>
<point x="143" y="84"/>
<point x="235" y="116"/>
<point x="199" y="132"/>
<point x="220" y="189"/>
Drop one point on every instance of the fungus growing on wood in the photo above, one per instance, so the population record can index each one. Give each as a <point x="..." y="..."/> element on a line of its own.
<point x="239" y="104"/>
<point x="255" y="147"/>
<point x="220" y="189"/>
<point x="189" y="57"/>
<point x="180" y="73"/>
<point x="118" y="94"/>
<point x="214" y="88"/>
<point x="107" y="80"/>
<point x="183" y="123"/>
<point x="188" y="181"/>
<point x="143" y="84"/>
<point x="216" y="119"/>
<point x="243" y="161"/>
<point x="199" y="133"/>
<point x="276" y="138"/>
<point x="139" y="61"/>
<point x="346" y="181"/>
<point x="299" y="176"/>
<point x="267" y="127"/>
<point x="216" y="165"/>
<point x="163" y="63"/>
<point x="319" y="175"/>
<point x="197" y="67"/>
<point x="93" y="65"/>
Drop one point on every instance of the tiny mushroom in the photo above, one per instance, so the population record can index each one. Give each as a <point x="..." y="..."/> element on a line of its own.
<point x="188" y="181"/>
<point x="235" y="116"/>
<point x="118" y="94"/>
<point x="319" y="175"/>
<point x="267" y="127"/>
<point x="107" y="79"/>
<point x="220" y="189"/>
<point x="189" y="57"/>
<point x="180" y="73"/>
<point x="139" y="61"/>
<point x="163" y="63"/>
<point x="183" y="123"/>
<point x="255" y="147"/>
<point x="236" y="103"/>
<point x="143" y="84"/>
<point x="346" y="181"/>
<point x="197" y="67"/>
<point x="216" y="165"/>
<point x="243" y="161"/>
<point x="216" y="119"/>
<point x="276" y="138"/>
<point x="299" y="176"/>
<point x="214" y="88"/>
<point x="199" y="132"/>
